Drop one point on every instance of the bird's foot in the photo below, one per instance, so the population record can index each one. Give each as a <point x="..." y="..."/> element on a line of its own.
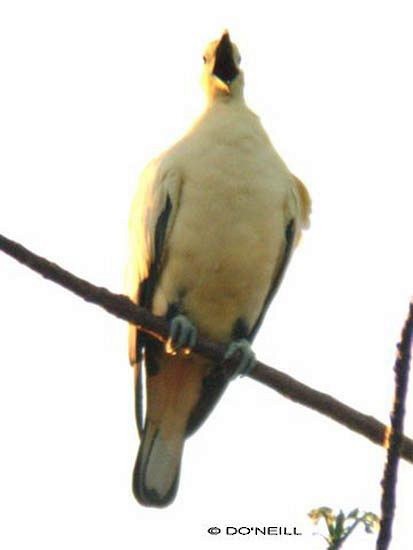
<point x="247" y="356"/>
<point x="182" y="335"/>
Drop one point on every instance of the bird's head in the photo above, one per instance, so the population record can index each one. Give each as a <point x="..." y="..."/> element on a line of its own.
<point x="222" y="77"/>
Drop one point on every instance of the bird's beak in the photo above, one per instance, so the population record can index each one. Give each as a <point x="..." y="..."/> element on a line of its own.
<point x="225" y="68"/>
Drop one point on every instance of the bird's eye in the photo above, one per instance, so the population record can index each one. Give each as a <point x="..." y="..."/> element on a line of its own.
<point x="204" y="58"/>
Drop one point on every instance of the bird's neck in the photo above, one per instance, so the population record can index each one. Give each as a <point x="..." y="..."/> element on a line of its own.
<point x="229" y="100"/>
<point x="228" y="116"/>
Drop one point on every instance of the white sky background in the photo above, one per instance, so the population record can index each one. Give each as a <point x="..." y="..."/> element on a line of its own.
<point x="90" y="92"/>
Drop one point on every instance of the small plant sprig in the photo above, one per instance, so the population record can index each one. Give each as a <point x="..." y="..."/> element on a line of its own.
<point x="340" y="526"/>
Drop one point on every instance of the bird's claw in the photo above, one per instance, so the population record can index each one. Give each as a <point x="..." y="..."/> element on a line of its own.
<point x="182" y="335"/>
<point x="247" y="356"/>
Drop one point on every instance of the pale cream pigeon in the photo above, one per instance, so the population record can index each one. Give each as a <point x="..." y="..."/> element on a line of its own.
<point x="213" y="225"/>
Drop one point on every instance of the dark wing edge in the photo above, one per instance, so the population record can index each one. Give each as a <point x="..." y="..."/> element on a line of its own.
<point x="146" y="291"/>
<point x="302" y="211"/>
<point x="290" y="233"/>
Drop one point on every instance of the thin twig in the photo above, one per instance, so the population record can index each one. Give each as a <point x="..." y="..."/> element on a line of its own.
<point x="401" y="369"/>
<point x="124" y="308"/>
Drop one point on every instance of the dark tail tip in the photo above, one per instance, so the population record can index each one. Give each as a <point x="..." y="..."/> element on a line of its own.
<point x="150" y="497"/>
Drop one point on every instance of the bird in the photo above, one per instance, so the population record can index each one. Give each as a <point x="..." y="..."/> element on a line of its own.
<point x="213" y="224"/>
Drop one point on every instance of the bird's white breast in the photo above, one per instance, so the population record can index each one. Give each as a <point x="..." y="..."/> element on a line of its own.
<point x="229" y="232"/>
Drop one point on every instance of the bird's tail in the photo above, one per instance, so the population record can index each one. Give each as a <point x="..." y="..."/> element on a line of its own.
<point x="156" y="473"/>
<point x="173" y="387"/>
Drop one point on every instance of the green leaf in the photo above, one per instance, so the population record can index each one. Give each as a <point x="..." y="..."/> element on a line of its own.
<point x="331" y="530"/>
<point x="340" y="525"/>
<point x="353" y="514"/>
<point x="322" y="512"/>
<point x="338" y="529"/>
<point x="371" y="522"/>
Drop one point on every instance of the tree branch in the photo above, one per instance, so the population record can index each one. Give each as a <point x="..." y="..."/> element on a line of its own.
<point x="125" y="309"/>
<point x="389" y="482"/>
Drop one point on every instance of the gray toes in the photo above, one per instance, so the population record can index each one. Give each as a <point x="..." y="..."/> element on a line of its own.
<point x="247" y="356"/>
<point x="182" y="334"/>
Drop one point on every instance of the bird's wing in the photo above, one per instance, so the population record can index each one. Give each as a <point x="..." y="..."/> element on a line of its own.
<point x="174" y="391"/>
<point x="297" y="218"/>
<point x="301" y="203"/>
<point x="152" y="216"/>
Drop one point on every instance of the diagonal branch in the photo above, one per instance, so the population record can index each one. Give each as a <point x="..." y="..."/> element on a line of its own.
<point x="125" y="309"/>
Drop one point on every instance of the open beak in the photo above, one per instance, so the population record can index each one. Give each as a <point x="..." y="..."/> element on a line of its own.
<point x="225" y="68"/>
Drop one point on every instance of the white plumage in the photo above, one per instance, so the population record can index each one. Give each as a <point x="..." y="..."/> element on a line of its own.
<point x="225" y="200"/>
